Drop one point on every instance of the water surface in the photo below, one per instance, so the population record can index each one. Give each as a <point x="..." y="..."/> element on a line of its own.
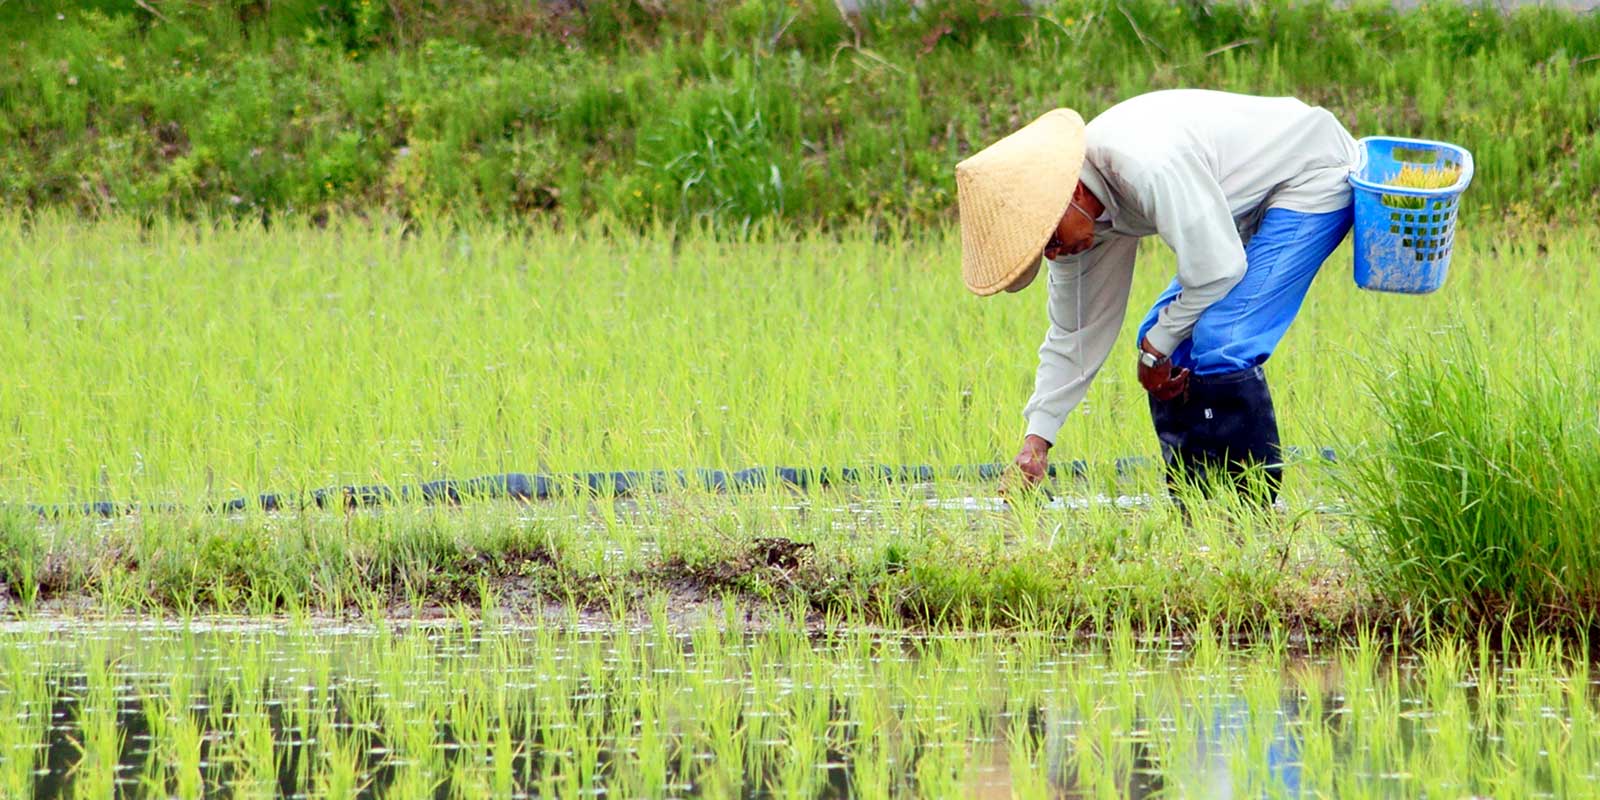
<point x="320" y="710"/>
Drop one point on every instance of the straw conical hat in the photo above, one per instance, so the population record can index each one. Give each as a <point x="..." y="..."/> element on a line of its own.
<point x="1011" y="196"/>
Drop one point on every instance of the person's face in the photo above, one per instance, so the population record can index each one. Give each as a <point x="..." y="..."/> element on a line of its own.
<point x="1073" y="235"/>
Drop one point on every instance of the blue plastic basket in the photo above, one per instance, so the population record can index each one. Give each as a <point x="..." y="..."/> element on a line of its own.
<point x="1404" y="237"/>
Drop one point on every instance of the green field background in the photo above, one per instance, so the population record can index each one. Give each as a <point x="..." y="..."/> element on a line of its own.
<point x="724" y="111"/>
<point x="216" y="359"/>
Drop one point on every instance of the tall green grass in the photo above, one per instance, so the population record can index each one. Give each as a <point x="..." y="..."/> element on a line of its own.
<point x="730" y="112"/>
<point x="1482" y="498"/>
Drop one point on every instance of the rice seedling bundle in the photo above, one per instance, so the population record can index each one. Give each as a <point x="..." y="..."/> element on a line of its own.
<point x="1417" y="177"/>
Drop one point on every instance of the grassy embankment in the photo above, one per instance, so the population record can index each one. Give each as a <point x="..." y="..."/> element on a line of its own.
<point x="192" y="365"/>
<point x="732" y="112"/>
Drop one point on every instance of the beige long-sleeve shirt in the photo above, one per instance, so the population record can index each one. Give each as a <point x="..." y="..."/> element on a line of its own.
<point x="1199" y="168"/>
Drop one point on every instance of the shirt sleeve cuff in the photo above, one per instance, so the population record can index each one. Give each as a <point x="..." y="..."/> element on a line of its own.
<point x="1044" y="426"/>
<point x="1163" y="339"/>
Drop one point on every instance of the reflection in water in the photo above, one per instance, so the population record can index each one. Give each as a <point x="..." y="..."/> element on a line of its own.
<point x="540" y="714"/>
<point x="1214" y="746"/>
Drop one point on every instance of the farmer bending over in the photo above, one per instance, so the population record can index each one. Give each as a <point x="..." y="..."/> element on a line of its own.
<point x="1249" y="192"/>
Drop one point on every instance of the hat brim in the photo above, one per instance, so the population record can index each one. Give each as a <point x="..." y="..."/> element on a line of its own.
<point x="1012" y="194"/>
<point x="1029" y="274"/>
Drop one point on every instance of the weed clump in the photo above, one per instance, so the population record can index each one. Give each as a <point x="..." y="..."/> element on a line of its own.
<point x="1480" y="502"/>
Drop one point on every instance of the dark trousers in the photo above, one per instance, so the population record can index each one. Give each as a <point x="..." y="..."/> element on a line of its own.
<point x="1224" y="426"/>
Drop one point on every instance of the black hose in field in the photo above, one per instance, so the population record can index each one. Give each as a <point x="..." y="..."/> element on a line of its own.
<point x="529" y="487"/>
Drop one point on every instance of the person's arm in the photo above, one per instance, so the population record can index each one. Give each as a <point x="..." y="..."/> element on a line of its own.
<point x="1191" y="213"/>
<point x="1088" y="299"/>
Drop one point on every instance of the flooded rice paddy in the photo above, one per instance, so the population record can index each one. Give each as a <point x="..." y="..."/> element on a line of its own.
<point x="318" y="709"/>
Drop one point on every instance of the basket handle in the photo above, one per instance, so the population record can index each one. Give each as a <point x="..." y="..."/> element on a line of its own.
<point x="1462" y="182"/>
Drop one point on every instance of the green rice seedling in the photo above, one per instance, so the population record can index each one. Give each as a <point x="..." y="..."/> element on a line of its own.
<point x="100" y="737"/>
<point x="340" y="773"/>
<point x="587" y="744"/>
<point x="1576" y="753"/>
<point x="1169" y="707"/>
<point x="470" y="772"/>
<point x="651" y="739"/>
<point x="1261" y="729"/>
<point x="410" y="717"/>
<point x="16" y="747"/>
<point x="24" y="706"/>
<point x="1311" y="728"/>
<point x="184" y="736"/>
<point x="1026" y="758"/>
<point x="504" y="750"/>
<point x="251" y="745"/>
<point x="1443" y="673"/>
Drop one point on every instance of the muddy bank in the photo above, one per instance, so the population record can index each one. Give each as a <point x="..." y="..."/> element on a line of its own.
<point x="772" y="581"/>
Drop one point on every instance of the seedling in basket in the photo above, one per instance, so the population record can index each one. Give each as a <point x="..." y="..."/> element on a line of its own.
<point x="1412" y="177"/>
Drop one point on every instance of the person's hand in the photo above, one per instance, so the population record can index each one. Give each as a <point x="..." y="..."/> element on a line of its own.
<point x="1032" y="463"/>
<point x="1159" y="378"/>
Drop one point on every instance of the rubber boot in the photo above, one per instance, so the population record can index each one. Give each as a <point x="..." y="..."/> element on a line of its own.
<point x="1224" y="426"/>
